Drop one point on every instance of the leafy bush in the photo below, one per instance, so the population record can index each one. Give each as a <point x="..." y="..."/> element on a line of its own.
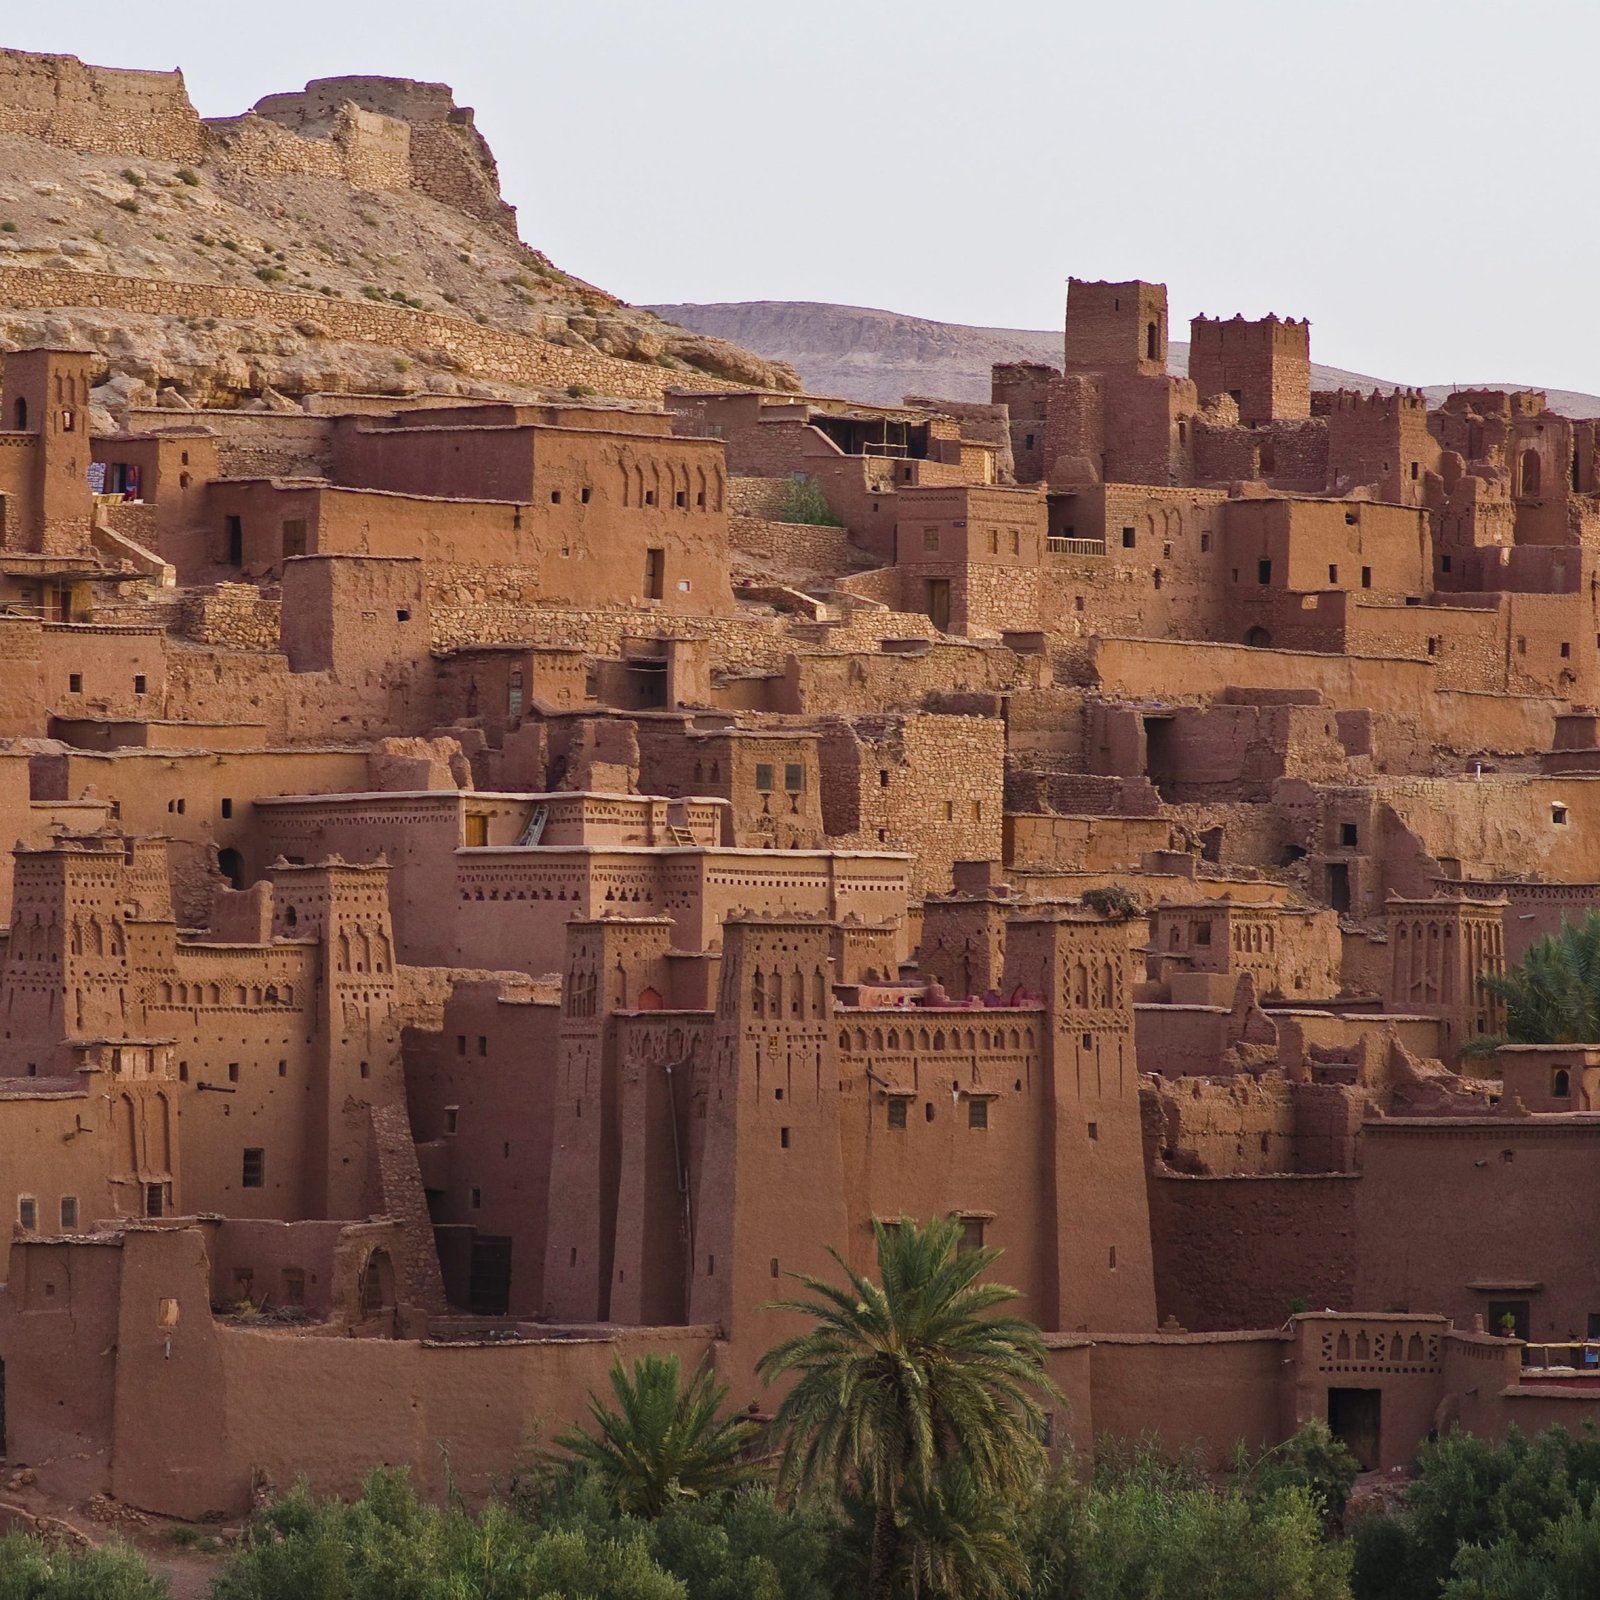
<point x="1477" y="1509"/>
<point x="271" y="274"/>
<point x="803" y="501"/>
<point x="387" y="1546"/>
<point x="1311" y="1459"/>
<point x="34" y="1569"/>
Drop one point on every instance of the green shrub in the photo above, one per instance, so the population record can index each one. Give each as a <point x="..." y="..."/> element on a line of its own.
<point x="581" y="391"/>
<point x="271" y="274"/>
<point x="189" y="176"/>
<point x="803" y="501"/>
<point x="130" y="204"/>
<point x="35" y="1569"/>
<point x="135" y="178"/>
<point x="8" y="226"/>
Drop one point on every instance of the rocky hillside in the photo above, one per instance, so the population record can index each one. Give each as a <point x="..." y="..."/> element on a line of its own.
<point x="352" y="195"/>
<point x="881" y="356"/>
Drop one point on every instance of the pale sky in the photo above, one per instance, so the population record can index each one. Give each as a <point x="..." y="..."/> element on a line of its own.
<point x="1413" y="175"/>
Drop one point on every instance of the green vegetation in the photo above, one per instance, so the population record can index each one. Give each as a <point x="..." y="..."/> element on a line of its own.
<point x="664" y="1442"/>
<point x="1518" y="1520"/>
<point x="188" y="176"/>
<point x="8" y="226"/>
<point x="271" y="274"/>
<point x="581" y="391"/>
<point x="898" y="1381"/>
<point x="137" y="179"/>
<point x="803" y="501"/>
<point x="1115" y="902"/>
<point x="37" y="1569"/>
<point x="1553" y="997"/>
<point x="129" y="204"/>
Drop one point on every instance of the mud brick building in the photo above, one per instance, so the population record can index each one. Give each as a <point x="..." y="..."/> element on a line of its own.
<point x="485" y="885"/>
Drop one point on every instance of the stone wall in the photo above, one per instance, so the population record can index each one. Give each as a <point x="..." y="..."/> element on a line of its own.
<point x="62" y="101"/>
<point x="236" y="615"/>
<point x="354" y="147"/>
<point x="807" y="547"/>
<point x="492" y="353"/>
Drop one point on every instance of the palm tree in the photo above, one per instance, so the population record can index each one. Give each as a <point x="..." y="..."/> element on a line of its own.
<point x="893" y="1382"/>
<point x="1553" y="997"/>
<point x="664" y="1442"/>
<point x="957" y="1540"/>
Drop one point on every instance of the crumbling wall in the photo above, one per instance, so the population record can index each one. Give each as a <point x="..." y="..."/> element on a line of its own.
<point x="61" y="101"/>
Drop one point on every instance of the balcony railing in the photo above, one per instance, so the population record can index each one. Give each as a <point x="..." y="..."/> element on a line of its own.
<point x="1074" y="547"/>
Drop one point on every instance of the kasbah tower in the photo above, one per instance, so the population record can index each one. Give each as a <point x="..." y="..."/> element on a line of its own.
<point x="492" y="891"/>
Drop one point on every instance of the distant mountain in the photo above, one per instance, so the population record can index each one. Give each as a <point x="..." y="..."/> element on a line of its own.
<point x="881" y="356"/>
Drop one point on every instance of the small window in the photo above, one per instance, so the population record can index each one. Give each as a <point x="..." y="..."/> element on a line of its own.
<point x="1028" y="442"/>
<point x="75" y="683"/>
<point x="1566" y="650"/>
<point x="254" y="1172"/>
<point x="977" y="1113"/>
<point x="69" y="1212"/>
<point x="402" y="614"/>
<point x="1333" y="572"/>
<point x="183" y="1072"/>
<point x="1444" y="563"/>
<point x="1205" y="543"/>
<point x="794" y="777"/>
<point x="1522" y="646"/>
<point x="1128" y="538"/>
<point x="283" y="1069"/>
<point x="452" y="1119"/>
<point x="949" y="811"/>
<point x="1094" y="1130"/>
<point x="681" y="500"/>
<point x="897" y="1113"/>
<point x="1560" y="1088"/>
<point x="475" y="1198"/>
<point x="1416" y="467"/>
<point x="1433" y="645"/>
<point x="1366" y="577"/>
<point x="783" y="1138"/>
<point x="483" y="1044"/>
<point x="649" y="497"/>
<point x="227" y="807"/>
<point x="764" y="777"/>
<point x="930" y="540"/>
<point x="883" y="777"/>
<point x="233" y="1072"/>
<point x="1263" y="572"/>
<point x="27" y="1212"/>
<point x="971" y="1235"/>
<point x="583" y="495"/>
<point x="69" y="421"/>
<point x="1558" y="814"/>
<point x="555" y="497"/>
<point x="1349" y="835"/>
<point x="365" y="1069"/>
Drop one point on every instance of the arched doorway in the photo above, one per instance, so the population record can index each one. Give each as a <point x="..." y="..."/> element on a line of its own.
<point x="1258" y="638"/>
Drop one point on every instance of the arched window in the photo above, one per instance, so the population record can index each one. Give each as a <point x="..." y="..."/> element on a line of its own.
<point x="1530" y="472"/>
<point x="1562" y="1088"/>
<point x="1152" y="338"/>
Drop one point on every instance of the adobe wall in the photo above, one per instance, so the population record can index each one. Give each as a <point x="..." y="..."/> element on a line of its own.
<point x="351" y="146"/>
<point x="483" y="352"/>
<point x="1214" y="1389"/>
<point x="1528" y="1186"/>
<point x="59" y="99"/>
<point x="1240" y="1251"/>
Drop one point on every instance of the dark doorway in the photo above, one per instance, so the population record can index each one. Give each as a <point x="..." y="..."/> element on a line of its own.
<point x="235" y="541"/>
<point x="1517" y="1311"/>
<point x="489" y="1278"/>
<point x="1356" y="1418"/>
<point x="1258" y="638"/>
<point x="1339" y="885"/>
<point x="231" y="865"/>
<point x="1161" y="763"/>
<point x="939" y="603"/>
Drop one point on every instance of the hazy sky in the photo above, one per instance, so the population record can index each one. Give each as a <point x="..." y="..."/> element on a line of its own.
<point x="1413" y="175"/>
